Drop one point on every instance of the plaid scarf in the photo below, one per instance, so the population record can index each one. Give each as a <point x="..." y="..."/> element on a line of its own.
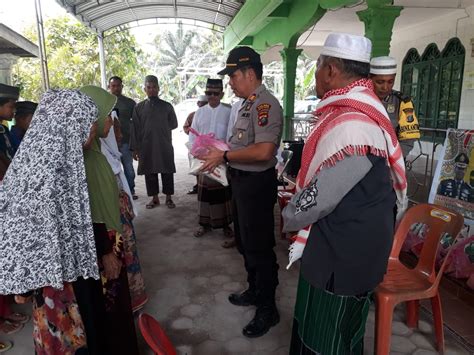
<point x="331" y="140"/>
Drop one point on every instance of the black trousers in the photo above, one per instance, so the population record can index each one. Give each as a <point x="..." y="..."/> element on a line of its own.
<point x="253" y="199"/>
<point x="153" y="185"/>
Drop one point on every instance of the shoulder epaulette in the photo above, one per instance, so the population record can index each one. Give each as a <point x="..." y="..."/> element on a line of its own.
<point x="402" y="96"/>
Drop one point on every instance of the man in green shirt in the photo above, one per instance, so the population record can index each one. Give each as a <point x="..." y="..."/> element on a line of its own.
<point x="125" y="106"/>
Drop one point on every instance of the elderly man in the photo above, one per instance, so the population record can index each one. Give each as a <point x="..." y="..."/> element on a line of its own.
<point x="351" y="175"/>
<point x="255" y="138"/>
<point x="214" y="200"/>
<point x="151" y="142"/>
<point x="399" y="107"/>
<point x="125" y="106"/>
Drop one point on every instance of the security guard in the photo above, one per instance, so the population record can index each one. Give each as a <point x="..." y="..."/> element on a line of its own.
<point x="251" y="159"/>
<point x="457" y="187"/>
<point x="8" y="96"/>
<point x="399" y="107"/>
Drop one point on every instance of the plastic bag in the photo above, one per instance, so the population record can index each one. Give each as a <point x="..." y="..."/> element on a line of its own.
<point x="219" y="174"/>
<point x="204" y="141"/>
<point x="200" y="148"/>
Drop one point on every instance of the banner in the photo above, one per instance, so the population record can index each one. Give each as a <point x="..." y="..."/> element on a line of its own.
<point x="453" y="181"/>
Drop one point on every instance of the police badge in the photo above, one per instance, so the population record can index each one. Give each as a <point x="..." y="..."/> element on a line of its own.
<point x="390" y="108"/>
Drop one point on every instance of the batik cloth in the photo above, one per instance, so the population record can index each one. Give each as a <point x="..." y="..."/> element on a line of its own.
<point x="45" y="218"/>
<point x="214" y="203"/>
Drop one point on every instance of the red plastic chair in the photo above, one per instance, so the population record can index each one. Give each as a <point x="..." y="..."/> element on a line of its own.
<point x="402" y="284"/>
<point x="154" y="335"/>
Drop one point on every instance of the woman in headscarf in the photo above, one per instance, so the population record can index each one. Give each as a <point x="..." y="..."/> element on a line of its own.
<point x="109" y="147"/>
<point x="47" y="243"/>
<point x="49" y="239"/>
<point x="119" y="334"/>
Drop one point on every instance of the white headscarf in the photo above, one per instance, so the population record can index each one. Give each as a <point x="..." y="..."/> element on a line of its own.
<point x="110" y="149"/>
<point x="46" y="235"/>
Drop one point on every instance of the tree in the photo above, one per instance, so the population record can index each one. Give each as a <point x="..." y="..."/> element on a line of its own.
<point x="73" y="59"/>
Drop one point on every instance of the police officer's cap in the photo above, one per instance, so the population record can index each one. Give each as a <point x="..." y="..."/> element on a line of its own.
<point x="462" y="160"/>
<point x="240" y="57"/>
<point x="25" y="108"/>
<point x="9" y="92"/>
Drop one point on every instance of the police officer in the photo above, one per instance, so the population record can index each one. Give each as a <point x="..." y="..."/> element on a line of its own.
<point x="399" y="106"/>
<point x="253" y="144"/>
<point x="457" y="187"/>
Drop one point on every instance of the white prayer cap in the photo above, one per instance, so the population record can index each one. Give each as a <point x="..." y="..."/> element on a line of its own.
<point x="347" y="46"/>
<point x="202" y="98"/>
<point x="383" y="66"/>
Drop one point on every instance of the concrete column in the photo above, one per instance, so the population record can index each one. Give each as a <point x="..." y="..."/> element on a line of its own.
<point x="103" y="74"/>
<point x="290" y="60"/>
<point x="6" y="63"/>
<point x="378" y="23"/>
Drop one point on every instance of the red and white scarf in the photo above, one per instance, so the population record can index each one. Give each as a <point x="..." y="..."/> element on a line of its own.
<point x="332" y="139"/>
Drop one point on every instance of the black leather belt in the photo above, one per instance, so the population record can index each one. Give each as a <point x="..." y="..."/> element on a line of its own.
<point x="238" y="172"/>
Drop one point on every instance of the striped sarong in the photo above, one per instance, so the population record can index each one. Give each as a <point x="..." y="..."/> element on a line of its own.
<point x="328" y="324"/>
<point x="215" y="203"/>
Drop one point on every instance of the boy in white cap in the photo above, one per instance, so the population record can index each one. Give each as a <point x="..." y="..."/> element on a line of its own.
<point x="399" y="106"/>
<point x="351" y="176"/>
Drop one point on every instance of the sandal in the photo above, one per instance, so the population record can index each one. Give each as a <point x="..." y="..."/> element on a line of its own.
<point x="5" y="345"/>
<point x="228" y="244"/>
<point x="170" y="203"/>
<point x="16" y="317"/>
<point x="152" y="204"/>
<point x="8" y="327"/>
<point x="201" y="231"/>
<point x="228" y="232"/>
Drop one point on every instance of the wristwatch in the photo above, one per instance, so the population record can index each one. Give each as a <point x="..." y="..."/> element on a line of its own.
<point x="225" y="156"/>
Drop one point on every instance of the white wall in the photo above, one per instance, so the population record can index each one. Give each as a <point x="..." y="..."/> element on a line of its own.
<point x="440" y="30"/>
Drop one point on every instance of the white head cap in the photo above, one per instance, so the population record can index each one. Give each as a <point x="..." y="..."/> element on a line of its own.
<point x="383" y="66"/>
<point x="347" y="46"/>
<point x="202" y="98"/>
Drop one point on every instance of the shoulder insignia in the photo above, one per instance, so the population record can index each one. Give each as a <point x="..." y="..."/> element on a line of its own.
<point x="402" y="96"/>
<point x="262" y="114"/>
<point x="252" y="97"/>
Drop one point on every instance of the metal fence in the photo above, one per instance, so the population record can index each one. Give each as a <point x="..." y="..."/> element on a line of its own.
<point x="419" y="166"/>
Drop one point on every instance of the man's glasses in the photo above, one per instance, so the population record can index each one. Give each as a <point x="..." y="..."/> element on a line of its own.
<point x="212" y="93"/>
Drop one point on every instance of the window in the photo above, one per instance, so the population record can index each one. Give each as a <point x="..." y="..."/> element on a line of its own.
<point x="434" y="81"/>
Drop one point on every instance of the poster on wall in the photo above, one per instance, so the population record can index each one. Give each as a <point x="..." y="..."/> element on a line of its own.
<point x="453" y="181"/>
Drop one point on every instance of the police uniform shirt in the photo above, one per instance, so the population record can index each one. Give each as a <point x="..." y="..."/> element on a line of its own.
<point x="259" y="120"/>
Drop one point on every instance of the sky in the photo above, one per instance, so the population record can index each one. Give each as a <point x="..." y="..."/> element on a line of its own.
<point x="20" y="14"/>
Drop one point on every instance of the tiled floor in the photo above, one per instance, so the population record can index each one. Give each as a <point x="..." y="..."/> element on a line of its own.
<point x="188" y="281"/>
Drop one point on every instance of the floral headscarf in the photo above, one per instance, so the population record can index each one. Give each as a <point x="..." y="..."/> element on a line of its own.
<point x="46" y="235"/>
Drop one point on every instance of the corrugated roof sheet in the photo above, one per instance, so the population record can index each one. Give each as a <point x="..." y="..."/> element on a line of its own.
<point x="105" y="15"/>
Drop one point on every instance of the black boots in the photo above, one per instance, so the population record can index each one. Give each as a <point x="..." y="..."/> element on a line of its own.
<point x="266" y="315"/>
<point x="246" y="298"/>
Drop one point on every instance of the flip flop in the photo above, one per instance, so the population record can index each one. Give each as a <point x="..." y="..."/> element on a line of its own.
<point x="8" y="327"/>
<point x="228" y="244"/>
<point x="170" y="203"/>
<point x="16" y="317"/>
<point x="5" y="345"/>
<point x="201" y="231"/>
<point x="152" y="204"/>
<point x="228" y="232"/>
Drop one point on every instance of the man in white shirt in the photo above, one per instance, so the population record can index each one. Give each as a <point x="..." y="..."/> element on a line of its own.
<point x="214" y="200"/>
